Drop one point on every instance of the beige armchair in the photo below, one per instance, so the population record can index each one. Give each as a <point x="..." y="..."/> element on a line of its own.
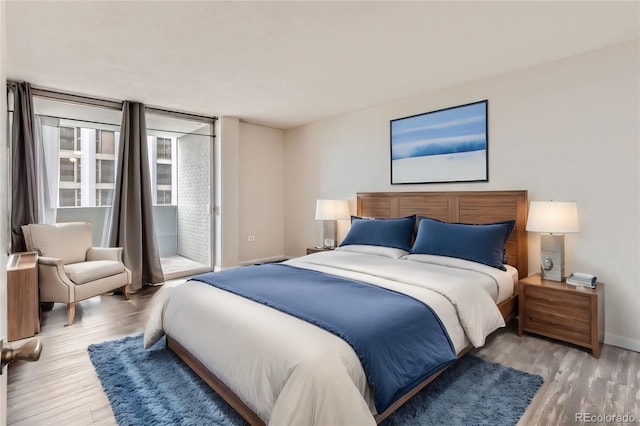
<point x="69" y="268"/>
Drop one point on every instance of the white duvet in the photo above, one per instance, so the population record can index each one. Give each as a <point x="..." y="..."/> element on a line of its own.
<point x="290" y="372"/>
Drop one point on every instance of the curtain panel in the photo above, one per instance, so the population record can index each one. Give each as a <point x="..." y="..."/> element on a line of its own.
<point x="46" y="136"/>
<point x="24" y="194"/>
<point x="132" y="225"/>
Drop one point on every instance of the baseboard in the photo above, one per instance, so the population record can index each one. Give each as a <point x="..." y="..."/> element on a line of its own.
<point x="270" y="259"/>
<point x="622" y="342"/>
<point x="183" y="274"/>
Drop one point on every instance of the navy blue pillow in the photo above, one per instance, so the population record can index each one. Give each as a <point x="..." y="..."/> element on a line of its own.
<point x="394" y="233"/>
<point x="478" y="243"/>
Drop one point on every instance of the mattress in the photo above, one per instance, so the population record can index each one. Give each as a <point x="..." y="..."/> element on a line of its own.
<point x="292" y="372"/>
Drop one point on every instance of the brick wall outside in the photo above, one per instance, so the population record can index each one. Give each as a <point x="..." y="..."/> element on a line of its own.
<point x="194" y="169"/>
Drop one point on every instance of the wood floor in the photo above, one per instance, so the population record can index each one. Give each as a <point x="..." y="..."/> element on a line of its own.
<point x="63" y="389"/>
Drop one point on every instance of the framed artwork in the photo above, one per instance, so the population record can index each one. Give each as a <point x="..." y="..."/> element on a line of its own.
<point x="448" y="145"/>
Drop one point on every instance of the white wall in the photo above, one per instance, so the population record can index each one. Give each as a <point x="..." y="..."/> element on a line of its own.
<point x="566" y="130"/>
<point x="227" y="192"/>
<point x="261" y="193"/>
<point x="249" y="178"/>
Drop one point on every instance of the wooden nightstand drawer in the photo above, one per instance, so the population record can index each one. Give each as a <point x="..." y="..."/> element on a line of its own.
<point x="558" y="326"/>
<point x="567" y="311"/>
<point x="557" y="299"/>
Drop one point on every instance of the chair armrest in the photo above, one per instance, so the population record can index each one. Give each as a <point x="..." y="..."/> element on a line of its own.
<point x="105" y="253"/>
<point x="53" y="261"/>
<point x="53" y="282"/>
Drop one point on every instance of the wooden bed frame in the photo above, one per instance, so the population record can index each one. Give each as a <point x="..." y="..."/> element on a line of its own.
<point x="457" y="206"/>
<point x="465" y="207"/>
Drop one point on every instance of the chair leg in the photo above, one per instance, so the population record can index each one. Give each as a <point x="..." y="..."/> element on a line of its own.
<point x="125" y="293"/>
<point x="71" y="312"/>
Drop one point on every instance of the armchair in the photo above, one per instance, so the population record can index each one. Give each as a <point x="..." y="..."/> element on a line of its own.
<point x="69" y="268"/>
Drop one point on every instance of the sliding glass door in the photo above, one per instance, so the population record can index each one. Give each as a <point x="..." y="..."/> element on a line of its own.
<point x="181" y="164"/>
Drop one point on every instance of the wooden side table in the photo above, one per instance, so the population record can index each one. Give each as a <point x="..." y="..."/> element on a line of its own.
<point x="23" y="312"/>
<point x="562" y="311"/>
<point x="318" y="250"/>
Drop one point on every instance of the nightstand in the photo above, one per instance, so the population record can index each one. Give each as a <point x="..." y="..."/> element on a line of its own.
<point x="23" y="310"/>
<point x="318" y="250"/>
<point x="562" y="311"/>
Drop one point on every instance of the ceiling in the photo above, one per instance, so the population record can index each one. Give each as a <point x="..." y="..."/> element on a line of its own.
<point x="285" y="64"/>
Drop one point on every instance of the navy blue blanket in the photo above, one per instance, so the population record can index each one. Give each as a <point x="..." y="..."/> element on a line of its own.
<point x="399" y="340"/>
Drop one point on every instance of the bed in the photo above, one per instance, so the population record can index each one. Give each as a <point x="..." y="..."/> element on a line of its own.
<point x="273" y="368"/>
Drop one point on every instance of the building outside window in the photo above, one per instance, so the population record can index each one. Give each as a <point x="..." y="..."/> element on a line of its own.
<point x="67" y="139"/>
<point x="70" y="158"/>
<point x="163" y="168"/>
<point x="164" y="197"/>
<point x="104" y="197"/>
<point x="69" y="197"/>
<point x="105" y="171"/>
<point x="87" y="159"/>
<point x="164" y="174"/>
<point x="69" y="169"/>
<point x="105" y="142"/>
<point x="164" y="149"/>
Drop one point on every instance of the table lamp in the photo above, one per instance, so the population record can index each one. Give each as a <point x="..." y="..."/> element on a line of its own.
<point x="553" y="219"/>
<point x="330" y="211"/>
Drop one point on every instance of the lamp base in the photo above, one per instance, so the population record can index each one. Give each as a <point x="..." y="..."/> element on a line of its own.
<point x="329" y="234"/>
<point x="552" y="257"/>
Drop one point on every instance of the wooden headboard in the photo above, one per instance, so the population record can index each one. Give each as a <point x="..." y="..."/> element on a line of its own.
<point x="475" y="207"/>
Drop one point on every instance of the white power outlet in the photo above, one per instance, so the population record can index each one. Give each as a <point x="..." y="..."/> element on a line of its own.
<point x="251" y="238"/>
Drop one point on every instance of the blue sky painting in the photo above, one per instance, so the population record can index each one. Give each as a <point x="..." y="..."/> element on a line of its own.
<point x="442" y="146"/>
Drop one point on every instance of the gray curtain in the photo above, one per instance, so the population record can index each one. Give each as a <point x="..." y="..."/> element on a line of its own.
<point x="24" y="195"/>
<point x="132" y="217"/>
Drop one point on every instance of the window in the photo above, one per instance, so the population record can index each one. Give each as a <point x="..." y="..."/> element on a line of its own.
<point x="93" y="148"/>
<point x="164" y="149"/>
<point x="105" y="142"/>
<point x="70" y="197"/>
<point x="164" y="174"/>
<point x="105" y="171"/>
<point x="164" y="197"/>
<point x="67" y="139"/>
<point x="163" y="167"/>
<point x="96" y="149"/>
<point x="104" y="197"/>
<point x="87" y="146"/>
<point x="67" y="170"/>
<point x="80" y="140"/>
<point x="180" y="160"/>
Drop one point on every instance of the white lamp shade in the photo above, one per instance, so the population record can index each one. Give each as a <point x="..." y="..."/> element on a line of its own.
<point x="554" y="217"/>
<point x="332" y="210"/>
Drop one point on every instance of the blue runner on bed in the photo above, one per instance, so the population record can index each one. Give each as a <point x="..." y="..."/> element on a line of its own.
<point x="399" y="340"/>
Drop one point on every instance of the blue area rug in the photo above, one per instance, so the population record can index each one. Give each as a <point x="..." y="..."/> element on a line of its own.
<point x="154" y="387"/>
